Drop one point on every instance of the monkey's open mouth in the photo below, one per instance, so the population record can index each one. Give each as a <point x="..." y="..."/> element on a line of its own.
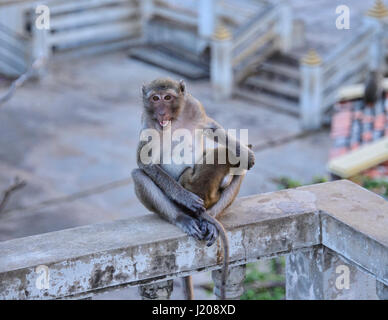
<point x="164" y="123"/>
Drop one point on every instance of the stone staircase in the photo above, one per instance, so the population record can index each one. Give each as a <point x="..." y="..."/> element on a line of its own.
<point x="172" y="38"/>
<point x="274" y="83"/>
<point x="177" y="60"/>
<point x="173" y="44"/>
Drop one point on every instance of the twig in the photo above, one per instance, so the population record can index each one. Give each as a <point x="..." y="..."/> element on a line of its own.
<point x="38" y="63"/>
<point x="17" y="184"/>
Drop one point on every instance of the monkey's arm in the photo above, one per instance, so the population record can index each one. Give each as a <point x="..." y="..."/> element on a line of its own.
<point x="213" y="127"/>
<point x="170" y="187"/>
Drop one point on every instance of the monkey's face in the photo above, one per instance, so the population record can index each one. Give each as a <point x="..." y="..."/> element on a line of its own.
<point x="163" y="99"/>
<point x="163" y="106"/>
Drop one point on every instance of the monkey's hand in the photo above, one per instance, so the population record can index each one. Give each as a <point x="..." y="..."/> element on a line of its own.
<point x="191" y="201"/>
<point x="190" y="225"/>
<point x="209" y="232"/>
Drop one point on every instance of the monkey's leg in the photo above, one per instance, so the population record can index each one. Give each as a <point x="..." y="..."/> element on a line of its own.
<point x="227" y="196"/>
<point x="199" y="180"/>
<point x="188" y="289"/>
<point x="204" y="180"/>
<point x="154" y="199"/>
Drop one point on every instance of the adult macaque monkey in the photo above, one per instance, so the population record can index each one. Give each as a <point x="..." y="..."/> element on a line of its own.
<point x="167" y="106"/>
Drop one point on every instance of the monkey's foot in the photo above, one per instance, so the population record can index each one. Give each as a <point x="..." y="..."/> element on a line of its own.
<point x="209" y="232"/>
<point x="191" y="226"/>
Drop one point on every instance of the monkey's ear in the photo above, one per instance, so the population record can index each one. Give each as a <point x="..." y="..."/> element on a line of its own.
<point x="143" y="89"/>
<point x="182" y="86"/>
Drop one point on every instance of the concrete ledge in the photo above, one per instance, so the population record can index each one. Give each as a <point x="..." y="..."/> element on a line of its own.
<point x="147" y="249"/>
<point x="363" y="251"/>
<point x="358" y="208"/>
<point x="355" y="225"/>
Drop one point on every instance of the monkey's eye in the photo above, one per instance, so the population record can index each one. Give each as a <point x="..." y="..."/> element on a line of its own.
<point x="168" y="97"/>
<point x="155" y="98"/>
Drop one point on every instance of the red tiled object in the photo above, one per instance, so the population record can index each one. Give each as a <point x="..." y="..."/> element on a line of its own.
<point x="379" y="122"/>
<point x="354" y="123"/>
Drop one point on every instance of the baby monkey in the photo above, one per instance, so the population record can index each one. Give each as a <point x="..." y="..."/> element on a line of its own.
<point x="207" y="180"/>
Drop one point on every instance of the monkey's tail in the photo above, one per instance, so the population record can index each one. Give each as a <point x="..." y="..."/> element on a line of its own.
<point x="225" y="245"/>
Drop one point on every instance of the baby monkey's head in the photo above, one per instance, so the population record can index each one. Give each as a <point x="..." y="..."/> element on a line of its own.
<point x="163" y="99"/>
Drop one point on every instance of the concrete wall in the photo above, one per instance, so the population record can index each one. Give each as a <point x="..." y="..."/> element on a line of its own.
<point x="318" y="226"/>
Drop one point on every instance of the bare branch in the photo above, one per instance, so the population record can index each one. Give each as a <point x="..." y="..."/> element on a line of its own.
<point x="38" y="63"/>
<point x="17" y="184"/>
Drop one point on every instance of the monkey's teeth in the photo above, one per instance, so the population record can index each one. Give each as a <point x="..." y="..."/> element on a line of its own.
<point x="164" y="123"/>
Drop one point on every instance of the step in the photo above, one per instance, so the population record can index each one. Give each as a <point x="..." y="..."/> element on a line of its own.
<point x="274" y="86"/>
<point x="269" y="100"/>
<point x="285" y="59"/>
<point x="234" y="14"/>
<point x="161" y="31"/>
<point x="171" y="24"/>
<point x="169" y="62"/>
<point x="98" y="48"/>
<point x="186" y="55"/>
<point x="250" y="64"/>
<point x="281" y="69"/>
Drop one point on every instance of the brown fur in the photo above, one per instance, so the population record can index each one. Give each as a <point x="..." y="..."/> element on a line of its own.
<point x="157" y="185"/>
<point x="205" y="179"/>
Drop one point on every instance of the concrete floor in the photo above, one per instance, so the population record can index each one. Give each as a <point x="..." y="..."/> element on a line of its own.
<point x="72" y="137"/>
